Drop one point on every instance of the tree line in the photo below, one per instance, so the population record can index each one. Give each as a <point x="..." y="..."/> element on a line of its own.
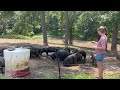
<point x="69" y="25"/>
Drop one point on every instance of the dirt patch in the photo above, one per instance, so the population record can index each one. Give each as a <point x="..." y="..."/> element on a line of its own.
<point x="39" y="67"/>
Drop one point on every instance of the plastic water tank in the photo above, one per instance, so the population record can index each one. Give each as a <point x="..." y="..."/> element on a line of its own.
<point x="17" y="62"/>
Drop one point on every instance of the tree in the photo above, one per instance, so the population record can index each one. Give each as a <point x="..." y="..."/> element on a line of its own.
<point x="67" y="30"/>
<point x="61" y="20"/>
<point x="115" y="18"/>
<point x="72" y="16"/>
<point x="5" y="17"/>
<point x="114" y="38"/>
<point x="22" y="23"/>
<point x="45" y="43"/>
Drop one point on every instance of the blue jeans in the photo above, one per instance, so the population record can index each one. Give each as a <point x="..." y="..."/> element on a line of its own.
<point x="100" y="57"/>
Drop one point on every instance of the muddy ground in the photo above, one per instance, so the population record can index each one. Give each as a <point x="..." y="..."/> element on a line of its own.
<point x="41" y="67"/>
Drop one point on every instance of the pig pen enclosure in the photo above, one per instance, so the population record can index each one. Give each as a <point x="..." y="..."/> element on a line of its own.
<point x="45" y="68"/>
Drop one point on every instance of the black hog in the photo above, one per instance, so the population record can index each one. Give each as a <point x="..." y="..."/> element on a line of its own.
<point x="83" y="53"/>
<point x="61" y="54"/>
<point x="34" y="52"/>
<point x="72" y="60"/>
<point x="48" y="49"/>
<point x="67" y="49"/>
<point x="2" y="65"/>
<point x="73" y="50"/>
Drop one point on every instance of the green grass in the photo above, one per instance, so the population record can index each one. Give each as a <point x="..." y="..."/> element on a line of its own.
<point x="86" y="76"/>
<point x="78" y="76"/>
<point x="49" y="75"/>
<point x="37" y="36"/>
<point x="13" y="36"/>
<point x="40" y="35"/>
<point x="4" y="77"/>
<point x="54" y="33"/>
<point x="10" y="36"/>
<point x="113" y="76"/>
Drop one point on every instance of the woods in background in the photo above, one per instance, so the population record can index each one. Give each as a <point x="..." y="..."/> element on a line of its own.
<point x="69" y="25"/>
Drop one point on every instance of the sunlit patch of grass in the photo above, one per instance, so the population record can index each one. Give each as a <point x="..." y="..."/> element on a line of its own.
<point x="13" y="36"/>
<point x="38" y="36"/>
<point x="78" y="76"/>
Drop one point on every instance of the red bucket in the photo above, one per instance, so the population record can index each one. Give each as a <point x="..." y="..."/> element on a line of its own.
<point x="19" y="73"/>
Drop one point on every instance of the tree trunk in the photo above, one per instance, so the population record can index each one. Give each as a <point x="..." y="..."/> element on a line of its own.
<point x="114" y="39"/>
<point x="70" y="37"/>
<point x="56" y="31"/>
<point x="45" y="43"/>
<point x="33" y="15"/>
<point x="61" y="27"/>
<point x="33" y="19"/>
<point x="61" y="21"/>
<point x="67" y="31"/>
<point x="4" y="28"/>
